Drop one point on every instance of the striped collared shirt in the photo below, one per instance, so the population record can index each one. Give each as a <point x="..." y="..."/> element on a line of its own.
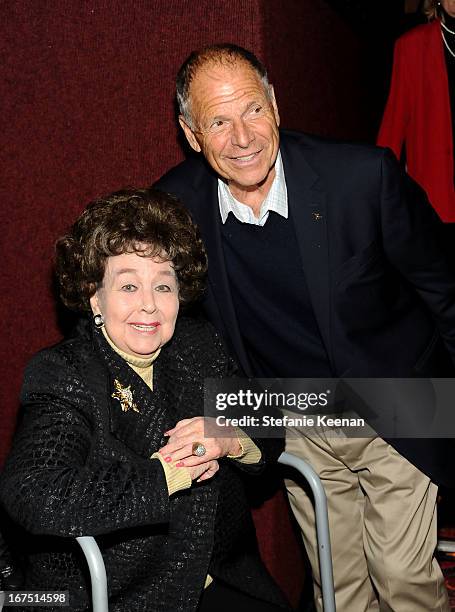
<point x="276" y="200"/>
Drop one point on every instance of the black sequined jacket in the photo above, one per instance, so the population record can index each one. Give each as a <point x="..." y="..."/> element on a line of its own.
<point x="81" y="466"/>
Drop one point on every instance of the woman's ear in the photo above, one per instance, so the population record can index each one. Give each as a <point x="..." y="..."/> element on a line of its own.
<point x="94" y="304"/>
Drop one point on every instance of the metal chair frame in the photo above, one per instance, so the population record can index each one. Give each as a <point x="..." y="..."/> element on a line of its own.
<point x="322" y="526"/>
<point x="98" y="571"/>
<point x="447" y="546"/>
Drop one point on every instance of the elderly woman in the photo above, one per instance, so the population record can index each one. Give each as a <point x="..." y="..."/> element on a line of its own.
<point x="173" y="526"/>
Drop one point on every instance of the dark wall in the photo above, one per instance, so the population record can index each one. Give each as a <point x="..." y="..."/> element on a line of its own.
<point x="315" y="60"/>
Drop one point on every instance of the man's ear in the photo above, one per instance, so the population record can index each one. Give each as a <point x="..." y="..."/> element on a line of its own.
<point x="274" y="105"/>
<point x="189" y="134"/>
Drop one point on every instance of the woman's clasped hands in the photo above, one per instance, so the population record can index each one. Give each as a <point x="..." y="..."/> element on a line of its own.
<point x="197" y="444"/>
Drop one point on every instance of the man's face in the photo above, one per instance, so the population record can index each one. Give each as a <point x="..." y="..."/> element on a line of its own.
<point x="235" y="124"/>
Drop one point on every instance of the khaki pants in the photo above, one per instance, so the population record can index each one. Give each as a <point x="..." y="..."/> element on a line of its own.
<point x="382" y="516"/>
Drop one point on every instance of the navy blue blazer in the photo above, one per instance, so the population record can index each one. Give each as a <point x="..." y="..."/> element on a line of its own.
<point x="383" y="294"/>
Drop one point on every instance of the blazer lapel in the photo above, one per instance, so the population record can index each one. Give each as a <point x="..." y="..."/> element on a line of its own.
<point x="140" y="421"/>
<point x="219" y="297"/>
<point x="307" y="206"/>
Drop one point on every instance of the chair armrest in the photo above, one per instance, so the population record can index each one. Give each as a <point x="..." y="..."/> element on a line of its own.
<point x="97" y="573"/>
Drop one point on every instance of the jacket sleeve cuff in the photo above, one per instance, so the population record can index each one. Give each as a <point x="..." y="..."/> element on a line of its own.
<point x="249" y="453"/>
<point x="177" y="479"/>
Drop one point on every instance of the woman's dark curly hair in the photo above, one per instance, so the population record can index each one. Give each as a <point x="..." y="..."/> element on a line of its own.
<point x="148" y="222"/>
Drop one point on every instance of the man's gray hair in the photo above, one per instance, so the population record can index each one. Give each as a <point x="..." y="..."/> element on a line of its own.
<point x="224" y="53"/>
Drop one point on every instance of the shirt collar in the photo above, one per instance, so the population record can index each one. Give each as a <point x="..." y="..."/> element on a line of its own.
<point x="276" y="200"/>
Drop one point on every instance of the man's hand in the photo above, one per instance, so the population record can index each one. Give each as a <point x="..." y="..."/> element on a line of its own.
<point x="188" y="431"/>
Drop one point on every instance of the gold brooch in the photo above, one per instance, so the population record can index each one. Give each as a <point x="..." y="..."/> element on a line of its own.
<point x="125" y="397"/>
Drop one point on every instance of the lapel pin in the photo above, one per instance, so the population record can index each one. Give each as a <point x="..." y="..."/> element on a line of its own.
<point x="125" y="396"/>
<point x="316" y="216"/>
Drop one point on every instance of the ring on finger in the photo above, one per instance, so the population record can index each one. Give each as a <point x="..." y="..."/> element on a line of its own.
<point x="198" y="449"/>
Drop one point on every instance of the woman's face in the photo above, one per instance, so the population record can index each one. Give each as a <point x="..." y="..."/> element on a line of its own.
<point x="449" y="7"/>
<point x="138" y="299"/>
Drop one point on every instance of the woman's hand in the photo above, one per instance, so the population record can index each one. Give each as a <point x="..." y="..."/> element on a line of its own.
<point x="204" y="471"/>
<point x="202" y="430"/>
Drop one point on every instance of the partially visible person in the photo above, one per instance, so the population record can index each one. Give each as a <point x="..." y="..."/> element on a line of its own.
<point x="420" y="111"/>
<point x="98" y="408"/>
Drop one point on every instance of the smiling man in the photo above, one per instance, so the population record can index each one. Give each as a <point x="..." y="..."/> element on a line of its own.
<point x="322" y="264"/>
<point x="237" y="131"/>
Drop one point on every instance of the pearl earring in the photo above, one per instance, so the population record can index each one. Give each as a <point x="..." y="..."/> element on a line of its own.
<point x="98" y="320"/>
